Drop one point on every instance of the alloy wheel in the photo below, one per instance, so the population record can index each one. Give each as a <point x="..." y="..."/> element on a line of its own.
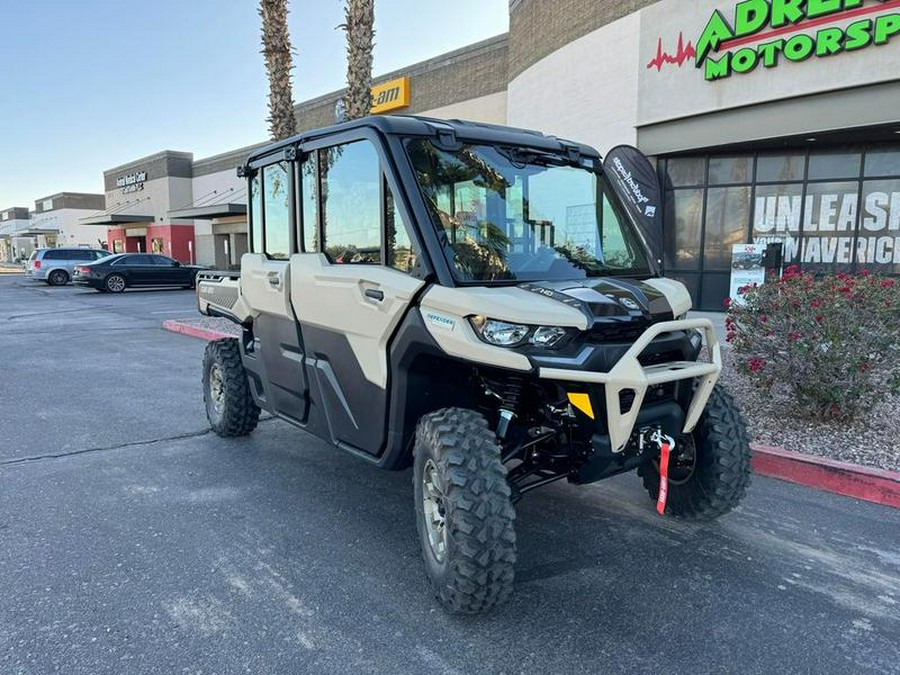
<point x="435" y="511"/>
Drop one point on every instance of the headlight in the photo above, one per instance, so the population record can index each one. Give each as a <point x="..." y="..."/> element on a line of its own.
<point x="505" y="334"/>
<point x="499" y="333"/>
<point x="547" y="336"/>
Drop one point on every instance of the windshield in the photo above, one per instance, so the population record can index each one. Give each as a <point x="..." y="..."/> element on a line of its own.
<point x="512" y="214"/>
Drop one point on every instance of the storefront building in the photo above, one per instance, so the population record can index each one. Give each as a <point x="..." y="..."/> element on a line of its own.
<point x="15" y="243"/>
<point x="768" y="120"/>
<point x="139" y="196"/>
<point x="58" y="219"/>
<point x="771" y="121"/>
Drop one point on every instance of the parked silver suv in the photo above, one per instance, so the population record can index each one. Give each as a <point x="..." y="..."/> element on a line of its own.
<point x="56" y="265"/>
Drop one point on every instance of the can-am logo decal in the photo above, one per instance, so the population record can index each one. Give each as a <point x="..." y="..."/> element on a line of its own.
<point x="765" y="32"/>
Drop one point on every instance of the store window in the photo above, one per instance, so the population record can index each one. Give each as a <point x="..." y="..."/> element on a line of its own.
<point x="157" y="245"/>
<point x="832" y="209"/>
<point x="831" y="165"/>
<point x="781" y="168"/>
<point x="878" y="244"/>
<point x="727" y="215"/>
<point x="778" y="214"/>
<point x="683" y="229"/>
<point x="351" y="203"/>
<point x="730" y="170"/>
<point x="686" y="171"/>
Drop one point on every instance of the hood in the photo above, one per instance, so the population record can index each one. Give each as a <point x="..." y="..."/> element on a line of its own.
<point x="609" y="300"/>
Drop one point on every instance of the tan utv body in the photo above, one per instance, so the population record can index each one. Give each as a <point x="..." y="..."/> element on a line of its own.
<point x="479" y="302"/>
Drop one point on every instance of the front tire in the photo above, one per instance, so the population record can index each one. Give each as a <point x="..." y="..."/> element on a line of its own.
<point x="115" y="283"/>
<point x="720" y="473"/>
<point x="230" y="407"/>
<point x="464" y="515"/>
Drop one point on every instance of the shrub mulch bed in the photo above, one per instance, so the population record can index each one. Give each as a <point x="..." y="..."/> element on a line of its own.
<point x="872" y="442"/>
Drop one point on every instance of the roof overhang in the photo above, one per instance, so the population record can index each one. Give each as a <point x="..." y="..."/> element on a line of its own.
<point x="115" y="219"/>
<point x="210" y="212"/>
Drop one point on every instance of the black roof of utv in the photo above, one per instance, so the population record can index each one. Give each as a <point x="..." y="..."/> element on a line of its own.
<point x="411" y="125"/>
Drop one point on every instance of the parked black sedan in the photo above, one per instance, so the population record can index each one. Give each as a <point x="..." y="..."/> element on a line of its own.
<point x="117" y="272"/>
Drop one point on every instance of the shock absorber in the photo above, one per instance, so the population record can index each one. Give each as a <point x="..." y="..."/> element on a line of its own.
<point x="510" y="393"/>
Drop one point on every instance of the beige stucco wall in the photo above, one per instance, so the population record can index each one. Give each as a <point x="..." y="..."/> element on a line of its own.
<point x="490" y="109"/>
<point x="585" y="91"/>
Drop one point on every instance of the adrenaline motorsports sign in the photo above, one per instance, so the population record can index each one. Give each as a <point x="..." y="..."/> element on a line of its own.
<point x="763" y="32"/>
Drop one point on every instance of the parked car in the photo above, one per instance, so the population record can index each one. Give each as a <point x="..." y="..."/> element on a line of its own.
<point x="56" y="266"/>
<point x="117" y="272"/>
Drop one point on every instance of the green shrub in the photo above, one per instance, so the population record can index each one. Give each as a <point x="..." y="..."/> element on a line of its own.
<point x="832" y="343"/>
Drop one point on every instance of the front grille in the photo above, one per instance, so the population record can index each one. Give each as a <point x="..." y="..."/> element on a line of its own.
<point x="624" y="330"/>
<point x="661" y="357"/>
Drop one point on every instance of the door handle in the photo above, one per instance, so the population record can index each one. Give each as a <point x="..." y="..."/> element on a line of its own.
<point x="375" y="294"/>
<point x="274" y="279"/>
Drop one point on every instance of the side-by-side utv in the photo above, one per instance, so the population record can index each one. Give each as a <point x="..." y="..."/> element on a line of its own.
<point x="484" y="304"/>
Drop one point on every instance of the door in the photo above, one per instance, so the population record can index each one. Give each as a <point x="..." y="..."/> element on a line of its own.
<point x="347" y="301"/>
<point x="169" y="272"/>
<point x="277" y="356"/>
<point x="348" y="314"/>
<point x="139" y="270"/>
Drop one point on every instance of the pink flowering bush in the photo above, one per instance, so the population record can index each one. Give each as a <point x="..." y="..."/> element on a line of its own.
<point x="832" y="343"/>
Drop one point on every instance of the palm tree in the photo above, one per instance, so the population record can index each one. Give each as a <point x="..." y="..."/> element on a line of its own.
<point x="360" y="28"/>
<point x="279" y="62"/>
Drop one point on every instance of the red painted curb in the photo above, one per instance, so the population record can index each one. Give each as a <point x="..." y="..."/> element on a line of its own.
<point x="194" y="331"/>
<point x="850" y="480"/>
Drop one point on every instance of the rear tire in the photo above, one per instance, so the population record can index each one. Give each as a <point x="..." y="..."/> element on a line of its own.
<point x="230" y="407"/>
<point x="115" y="283"/>
<point x="58" y="278"/>
<point x="721" y="470"/>
<point x="464" y="515"/>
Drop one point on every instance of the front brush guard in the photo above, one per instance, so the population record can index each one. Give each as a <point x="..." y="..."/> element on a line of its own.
<point x="628" y="373"/>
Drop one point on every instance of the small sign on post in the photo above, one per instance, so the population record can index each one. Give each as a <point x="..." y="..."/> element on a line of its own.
<point x="746" y="269"/>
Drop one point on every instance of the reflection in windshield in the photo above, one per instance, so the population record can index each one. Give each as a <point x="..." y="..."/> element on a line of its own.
<point x="510" y="215"/>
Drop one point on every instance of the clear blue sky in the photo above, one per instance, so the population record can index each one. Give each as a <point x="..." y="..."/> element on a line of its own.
<point x="90" y="84"/>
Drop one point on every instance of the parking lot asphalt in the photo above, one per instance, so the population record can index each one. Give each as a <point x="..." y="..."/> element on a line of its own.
<point x="131" y="541"/>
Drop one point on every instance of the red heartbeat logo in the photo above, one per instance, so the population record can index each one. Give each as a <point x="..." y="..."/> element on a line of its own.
<point x="683" y="54"/>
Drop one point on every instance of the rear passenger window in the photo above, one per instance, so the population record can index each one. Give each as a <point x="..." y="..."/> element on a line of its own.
<point x="53" y="254"/>
<point x="351" y="203"/>
<point x="276" y="213"/>
<point x="309" y="194"/>
<point x="399" y="248"/>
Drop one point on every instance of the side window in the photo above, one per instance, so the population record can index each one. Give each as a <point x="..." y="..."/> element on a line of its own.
<point x="276" y="214"/>
<point x="351" y="201"/>
<point x="162" y="261"/>
<point x="139" y="260"/>
<point x="255" y="212"/>
<point x="309" y="191"/>
<point x="54" y="255"/>
<point x="399" y="248"/>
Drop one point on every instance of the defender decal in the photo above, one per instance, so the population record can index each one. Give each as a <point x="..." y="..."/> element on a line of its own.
<point x="440" y="320"/>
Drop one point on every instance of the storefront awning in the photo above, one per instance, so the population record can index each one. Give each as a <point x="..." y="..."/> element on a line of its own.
<point x="115" y="219"/>
<point x="211" y="211"/>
